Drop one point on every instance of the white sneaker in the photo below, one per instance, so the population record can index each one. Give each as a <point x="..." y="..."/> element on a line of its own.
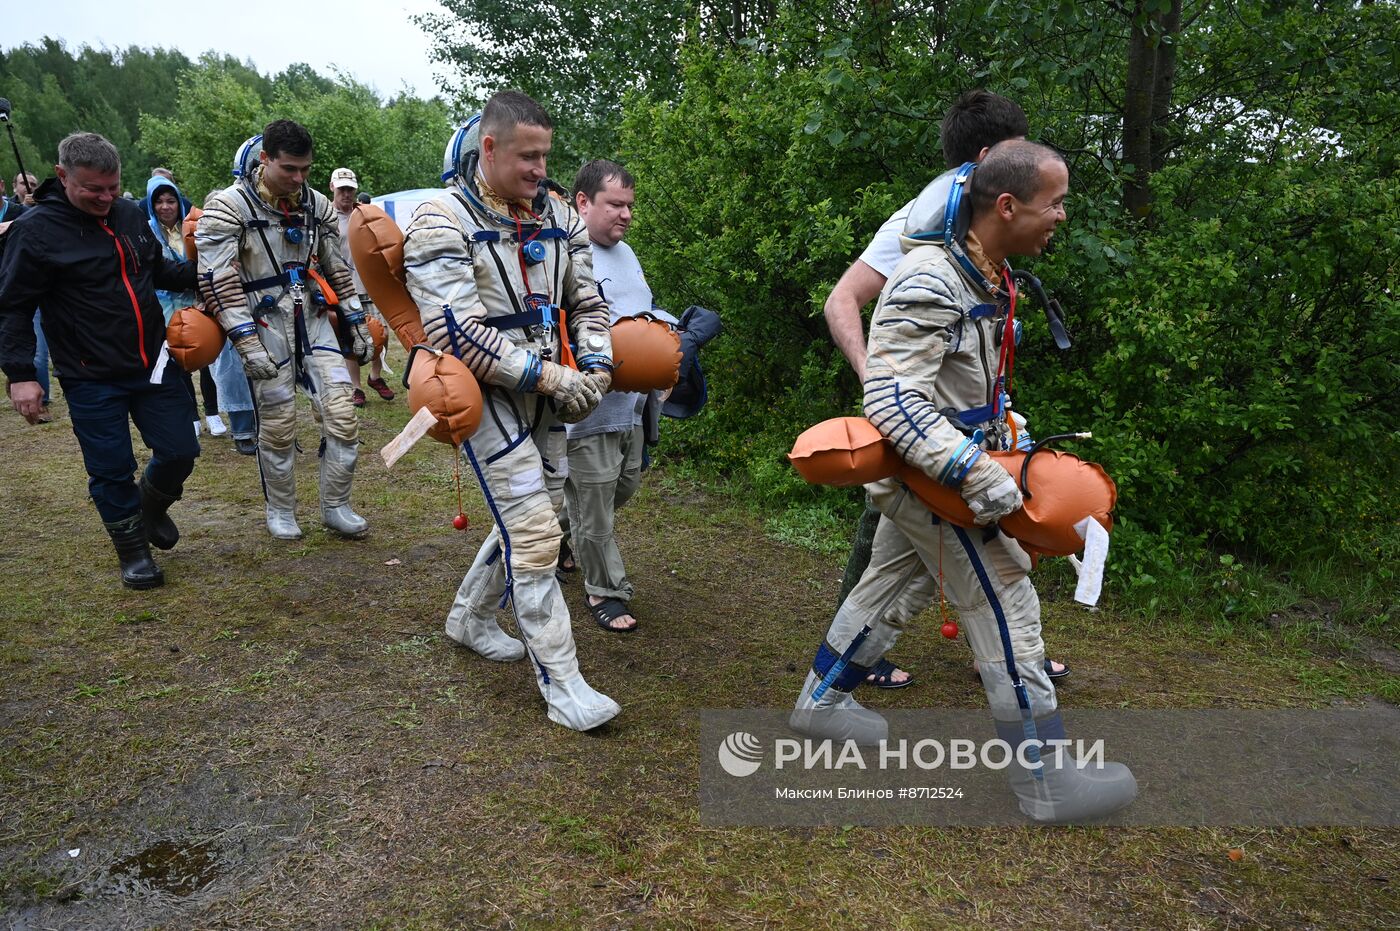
<point x="216" y="425"/>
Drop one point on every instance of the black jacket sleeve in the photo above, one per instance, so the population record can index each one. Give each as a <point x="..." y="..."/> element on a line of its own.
<point x="699" y="325"/>
<point x="173" y="275"/>
<point x="23" y="279"/>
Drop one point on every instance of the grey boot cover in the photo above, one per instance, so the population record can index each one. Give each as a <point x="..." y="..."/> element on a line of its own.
<point x="337" y="472"/>
<point x="279" y="484"/>
<point x="543" y="619"/>
<point x="1066" y="793"/>
<point x="471" y="621"/>
<point x="836" y="715"/>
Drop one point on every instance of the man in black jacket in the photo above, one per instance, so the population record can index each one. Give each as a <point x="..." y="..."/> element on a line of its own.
<point x="89" y="259"/>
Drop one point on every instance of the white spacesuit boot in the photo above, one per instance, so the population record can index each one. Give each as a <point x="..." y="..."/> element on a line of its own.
<point x="825" y="708"/>
<point x="337" y="471"/>
<point x="471" y="621"/>
<point x="544" y="622"/>
<point x="1050" y="784"/>
<point x="1061" y="789"/>
<point x="279" y="484"/>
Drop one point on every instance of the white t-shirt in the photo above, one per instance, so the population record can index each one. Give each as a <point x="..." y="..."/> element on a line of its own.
<point x="344" y="219"/>
<point x="884" y="251"/>
<point x="622" y="284"/>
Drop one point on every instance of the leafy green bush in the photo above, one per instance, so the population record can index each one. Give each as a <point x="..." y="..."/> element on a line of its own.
<point x="1235" y="352"/>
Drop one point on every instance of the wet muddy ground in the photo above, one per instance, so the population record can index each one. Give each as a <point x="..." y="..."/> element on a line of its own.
<point x="282" y="738"/>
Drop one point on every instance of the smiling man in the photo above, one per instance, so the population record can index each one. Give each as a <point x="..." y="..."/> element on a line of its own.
<point x="270" y="262"/>
<point x="502" y="275"/>
<point x="89" y="259"/>
<point x="605" y="449"/>
<point x="935" y="386"/>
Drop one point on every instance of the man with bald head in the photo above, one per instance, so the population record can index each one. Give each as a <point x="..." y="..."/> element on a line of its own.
<point x="935" y="387"/>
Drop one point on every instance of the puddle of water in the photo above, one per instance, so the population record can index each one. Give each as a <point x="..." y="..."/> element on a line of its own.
<point x="172" y="867"/>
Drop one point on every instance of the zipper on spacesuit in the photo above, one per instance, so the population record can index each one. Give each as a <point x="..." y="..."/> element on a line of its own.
<point x="544" y="333"/>
<point x="982" y="357"/>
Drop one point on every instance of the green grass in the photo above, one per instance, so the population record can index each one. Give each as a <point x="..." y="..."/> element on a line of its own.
<point x="297" y="708"/>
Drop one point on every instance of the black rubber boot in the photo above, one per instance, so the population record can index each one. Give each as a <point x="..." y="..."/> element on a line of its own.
<point x="160" y="529"/>
<point x="139" y="570"/>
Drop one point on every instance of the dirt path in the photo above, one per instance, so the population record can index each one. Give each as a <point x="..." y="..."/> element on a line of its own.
<point x="282" y="738"/>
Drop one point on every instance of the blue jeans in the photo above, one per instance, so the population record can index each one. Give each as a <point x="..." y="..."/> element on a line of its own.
<point x="243" y="425"/>
<point x="162" y="413"/>
<point x="41" y="357"/>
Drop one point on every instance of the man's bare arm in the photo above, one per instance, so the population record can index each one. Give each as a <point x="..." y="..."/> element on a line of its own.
<point x="859" y="286"/>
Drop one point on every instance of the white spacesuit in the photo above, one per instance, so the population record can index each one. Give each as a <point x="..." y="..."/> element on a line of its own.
<point x="270" y="268"/>
<point x="936" y="378"/>
<point x="505" y="285"/>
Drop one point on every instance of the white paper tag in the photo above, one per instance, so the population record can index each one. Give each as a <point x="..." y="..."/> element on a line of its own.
<point x="158" y="373"/>
<point x="416" y="428"/>
<point x="1091" y="567"/>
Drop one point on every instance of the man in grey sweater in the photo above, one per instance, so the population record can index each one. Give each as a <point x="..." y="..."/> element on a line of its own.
<point x="605" y="449"/>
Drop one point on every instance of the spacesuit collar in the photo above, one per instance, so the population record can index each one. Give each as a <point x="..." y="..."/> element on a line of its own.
<point x="496" y="202"/>
<point x="973" y="247"/>
<point x="288" y="202"/>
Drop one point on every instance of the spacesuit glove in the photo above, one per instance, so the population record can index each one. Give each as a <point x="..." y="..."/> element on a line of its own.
<point x="602" y="378"/>
<point x="256" y="362"/>
<point x="574" y="393"/>
<point x="995" y="497"/>
<point x="560" y="382"/>
<point x="361" y="343"/>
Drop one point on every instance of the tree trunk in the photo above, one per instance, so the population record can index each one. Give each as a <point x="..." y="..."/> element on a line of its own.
<point x="1137" y="113"/>
<point x="1163" y="79"/>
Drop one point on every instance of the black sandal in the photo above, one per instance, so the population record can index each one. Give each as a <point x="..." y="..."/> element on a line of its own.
<point x="1049" y="670"/>
<point x="881" y="676"/>
<point x="566" y="555"/>
<point x="609" y="610"/>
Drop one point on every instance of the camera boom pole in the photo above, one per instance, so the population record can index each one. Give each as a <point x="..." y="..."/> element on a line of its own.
<point x="5" y="118"/>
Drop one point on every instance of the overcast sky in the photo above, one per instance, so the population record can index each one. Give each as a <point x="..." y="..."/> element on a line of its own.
<point x="374" y="42"/>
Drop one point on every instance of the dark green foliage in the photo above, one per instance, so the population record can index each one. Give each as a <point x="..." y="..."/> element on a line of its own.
<point x="56" y="92"/>
<point x="390" y="146"/>
<point x="579" y="57"/>
<point x="1235" y="351"/>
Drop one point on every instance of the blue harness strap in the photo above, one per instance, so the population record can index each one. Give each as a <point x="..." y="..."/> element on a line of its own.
<point x="262" y="284"/>
<point x="301" y="352"/>
<point x="545" y="315"/>
<point x="1023" y="699"/>
<point x="496" y="516"/>
<point x="839" y="672"/>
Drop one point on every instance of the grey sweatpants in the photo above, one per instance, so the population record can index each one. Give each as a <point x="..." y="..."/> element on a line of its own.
<point x="604" y="472"/>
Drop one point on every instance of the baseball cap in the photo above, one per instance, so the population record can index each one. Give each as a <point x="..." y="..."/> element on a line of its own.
<point x="344" y="177"/>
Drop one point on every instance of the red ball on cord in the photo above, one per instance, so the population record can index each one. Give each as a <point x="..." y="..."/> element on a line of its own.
<point x="949" y="630"/>
<point x="461" y="522"/>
